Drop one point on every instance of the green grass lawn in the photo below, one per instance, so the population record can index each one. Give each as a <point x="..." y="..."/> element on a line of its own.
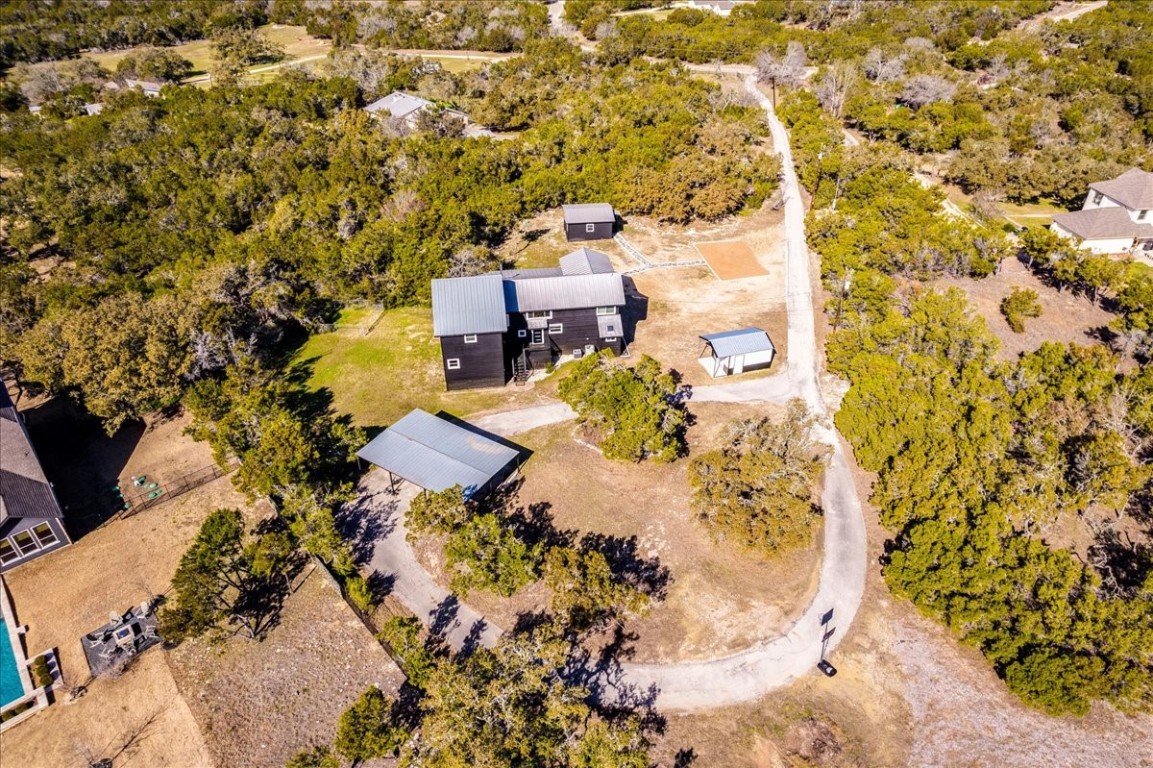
<point x="379" y="377"/>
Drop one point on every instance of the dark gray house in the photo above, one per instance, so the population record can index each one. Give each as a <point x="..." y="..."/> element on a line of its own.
<point x="31" y="521"/>
<point x="591" y="221"/>
<point x="506" y="324"/>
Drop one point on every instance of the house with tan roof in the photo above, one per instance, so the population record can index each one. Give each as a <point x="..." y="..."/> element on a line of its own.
<point x="1117" y="216"/>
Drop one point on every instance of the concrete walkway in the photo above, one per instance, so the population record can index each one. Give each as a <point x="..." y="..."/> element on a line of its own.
<point x="738" y="678"/>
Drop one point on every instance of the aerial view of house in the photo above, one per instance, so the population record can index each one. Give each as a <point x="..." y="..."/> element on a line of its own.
<point x="576" y="383"/>
<point x="507" y="324"/>
<point x="31" y="521"/>
<point x="1117" y="216"/>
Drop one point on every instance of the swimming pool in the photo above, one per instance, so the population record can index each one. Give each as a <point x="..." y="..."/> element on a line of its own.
<point x="10" y="686"/>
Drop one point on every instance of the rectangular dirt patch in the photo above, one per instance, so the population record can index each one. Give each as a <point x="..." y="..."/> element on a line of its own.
<point x="731" y="259"/>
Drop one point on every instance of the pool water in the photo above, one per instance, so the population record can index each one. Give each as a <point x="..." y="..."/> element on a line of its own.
<point x="10" y="686"/>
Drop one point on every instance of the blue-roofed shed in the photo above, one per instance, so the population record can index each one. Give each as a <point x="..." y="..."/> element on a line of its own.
<point x="734" y="352"/>
<point x="435" y="454"/>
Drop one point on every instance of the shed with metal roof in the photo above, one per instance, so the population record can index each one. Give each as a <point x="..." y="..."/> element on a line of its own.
<point x="733" y="352"/>
<point x="436" y="453"/>
<point x="589" y="221"/>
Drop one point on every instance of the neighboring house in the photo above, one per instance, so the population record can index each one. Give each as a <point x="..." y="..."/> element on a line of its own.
<point x="719" y="7"/>
<point x="31" y="521"/>
<point x="507" y="324"/>
<point x="589" y="221"/>
<point x="734" y="352"/>
<point x="1117" y="216"/>
<point x="149" y="87"/>
<point x="405" y="107"/>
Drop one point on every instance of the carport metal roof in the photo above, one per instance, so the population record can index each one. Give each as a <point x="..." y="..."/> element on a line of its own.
<point x="437" y="454"/>
<point x="744" y="341"/>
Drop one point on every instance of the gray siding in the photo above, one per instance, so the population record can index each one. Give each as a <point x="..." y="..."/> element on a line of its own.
<point x="601" y="231"/>
<point x="482" y="364"/>
<point x="14" y="525"/>
<point x="578" y="329"/>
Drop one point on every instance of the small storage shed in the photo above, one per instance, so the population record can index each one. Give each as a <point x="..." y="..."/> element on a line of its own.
<point x="733" y="352"/>
<point x="589" y="221"/>
<point x="436" y="454"/>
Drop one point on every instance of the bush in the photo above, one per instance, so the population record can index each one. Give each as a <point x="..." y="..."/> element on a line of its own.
<point x="1018" y="305"/>
<point x="360" y="593"/>
<point x="41" y="673"/>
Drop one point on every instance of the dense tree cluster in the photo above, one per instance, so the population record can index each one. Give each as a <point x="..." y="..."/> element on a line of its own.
<point x="977" y="460"/>
<point x="1021" y="303"/>
<point x="633" y="412"/>
<point x="757" y="489"/>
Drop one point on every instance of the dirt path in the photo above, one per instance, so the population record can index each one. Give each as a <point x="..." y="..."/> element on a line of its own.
<point x="1062" y="12"/>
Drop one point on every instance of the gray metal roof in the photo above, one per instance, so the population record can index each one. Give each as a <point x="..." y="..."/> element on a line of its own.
<point x="585" y="261"/>
<point x="744" y="341"/>
<point x="530" y="274"/>
<point x="1133" y="189"/>
<point x="588" y="213"/>
<point x="437" y="454"/>
<point x="1103" y="223"/>
<point x="610" y="325"/>
<point x="398" y="104"/>
<point x="468" y="305"/>
<point x="565" y="292"/>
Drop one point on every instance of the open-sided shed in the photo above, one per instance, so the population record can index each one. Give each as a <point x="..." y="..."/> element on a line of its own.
<point x="734" y="352"/>
<point x="436" y="454"/>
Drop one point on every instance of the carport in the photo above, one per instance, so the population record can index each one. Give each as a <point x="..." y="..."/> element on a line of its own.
<point x="437" y="453"/>
<point x="733" y="352"/>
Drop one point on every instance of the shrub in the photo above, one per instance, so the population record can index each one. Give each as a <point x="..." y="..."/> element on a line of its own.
<point x="1018" y="305"/>
<point x="41" y="673"/>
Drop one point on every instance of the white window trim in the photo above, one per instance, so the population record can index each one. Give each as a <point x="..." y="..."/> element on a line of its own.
<point x="522" y="334"/>
<point x="555" y="328"/>
<point x="452" y="364"/>
<point x="13" y="552"/>
<point x="610" y="339"/>
<point x="606" y="310"/>
<point x="470" y="338"/>
<point x="1098" y="197"/>
<point x="533" y="338"/>
<point x="540" y="315"/>
<point x="51" y="533"/>
<point x="32" y="540"/>
<point x="590" y="227"/>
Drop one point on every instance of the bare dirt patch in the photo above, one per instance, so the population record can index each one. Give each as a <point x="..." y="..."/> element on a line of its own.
<point x="141" y="713"/>
<point x="1065" y="317"/>
<point x="731" y="259"/>
<point x="261" y="702"/>
<point x="683" y="304"/>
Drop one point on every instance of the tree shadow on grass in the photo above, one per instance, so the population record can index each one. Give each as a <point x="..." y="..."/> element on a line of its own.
<point x="363" y="522"/>
<point x="645" y="574"/>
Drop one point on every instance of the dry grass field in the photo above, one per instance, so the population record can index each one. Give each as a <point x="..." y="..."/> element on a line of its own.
<point x="258" y="703"/>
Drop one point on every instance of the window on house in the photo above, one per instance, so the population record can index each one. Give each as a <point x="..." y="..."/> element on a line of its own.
<point x="606" y="310"/>
<point x="45" y="535"/>
<point x="610" y="328"/>
<point x="610" y="339"/>
<point x="538" y="336"/>
<point x="7" y="552"/>
<point x="590" y="228"/>
<point x="25" y="543"/>
<point x="470" y="338"/>
<point x="555" y="328"/>
<point x="539" y="315"/>
<point x="522" y="334"/>
<point x="453" y="363"/>
<point x="1097" y="197"/>
<point x="1141" y="215"/>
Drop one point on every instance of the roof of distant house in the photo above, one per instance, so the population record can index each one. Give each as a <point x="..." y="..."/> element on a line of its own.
<point x="585" y="261"/>
<point x="148" y="86"/>
<point x="398" y="104"/>
<point x="744" y="341"/>
<point x="1133" y="189"/>
<point x="1102" y="224"/>
<point x="564" y="292"/>
<point x="24" y="490"/>
<point x="436" y="453"/>
<point x="588" y="213"/>
<point x="468" y="305"/>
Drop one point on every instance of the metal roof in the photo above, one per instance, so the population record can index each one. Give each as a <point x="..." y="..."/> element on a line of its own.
<point x="588" y="213"/>
<point x="744" y="341"/>
<point x="1133" y="189"/>
<point x="1102" y="223"/>
<point x="610" y="325"/>
<point x="530" y="274"/>
<point x="565" y="292"/>
<point x="437" y="454"/>
<point x="585" y="261"/>
<point x="398" y="104"/>
<point x="468" y="305"/>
